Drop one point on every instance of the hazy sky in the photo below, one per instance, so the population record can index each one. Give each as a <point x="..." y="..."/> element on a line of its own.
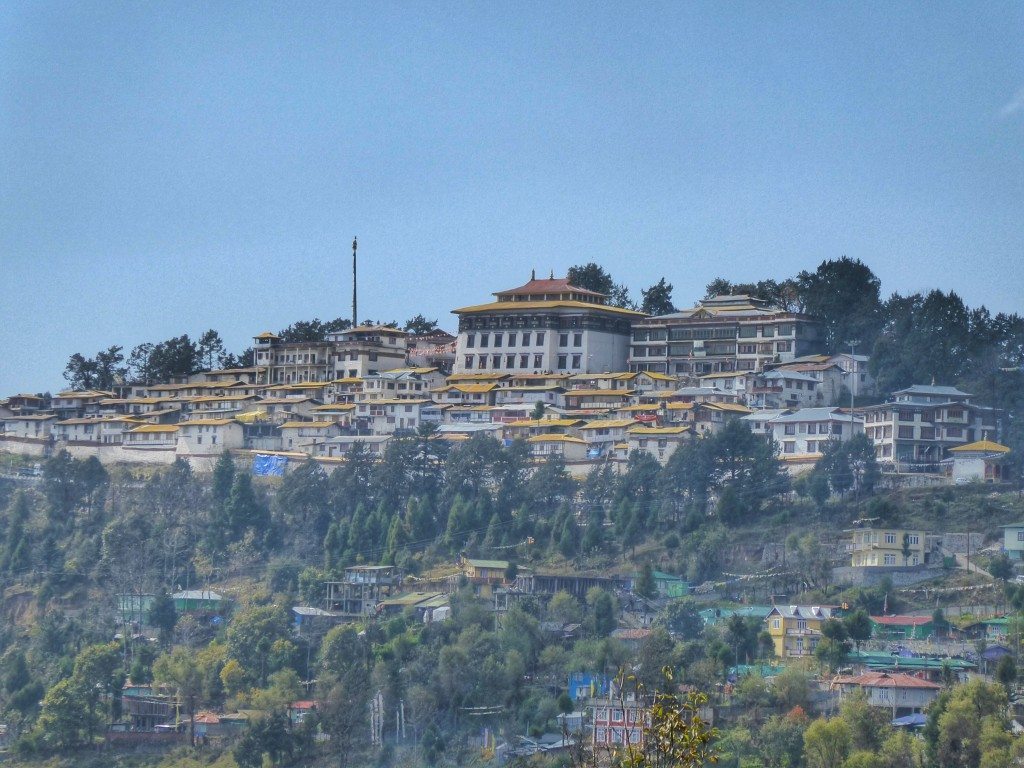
<point x="171" y="167"/>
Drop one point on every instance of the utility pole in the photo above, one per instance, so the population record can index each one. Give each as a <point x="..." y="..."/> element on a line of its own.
<point x="355" y="245"/>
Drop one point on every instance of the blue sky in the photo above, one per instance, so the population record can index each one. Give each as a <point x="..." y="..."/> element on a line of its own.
<point x="167" y="168"/>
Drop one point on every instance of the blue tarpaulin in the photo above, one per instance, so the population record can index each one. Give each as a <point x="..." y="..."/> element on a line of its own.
<point x="269" y="465"/>
<point x="911" y="721"/>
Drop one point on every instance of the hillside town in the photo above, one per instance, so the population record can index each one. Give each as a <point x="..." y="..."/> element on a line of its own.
<point x="861" y="611"/>
<point x="548" y="362"/>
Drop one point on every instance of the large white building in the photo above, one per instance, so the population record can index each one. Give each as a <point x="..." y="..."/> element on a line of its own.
<point x="541" y="327"/>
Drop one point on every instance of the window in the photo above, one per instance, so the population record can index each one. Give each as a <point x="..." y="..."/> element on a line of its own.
<point x="511" y="339"/>
<point x="784" y="346"/>
<point x="497" y="339"/>
<point x="510" y="361"/>
<point x="563" y="361"/>
<point x="524" y="361"/>
<point x="1020" y="535"/>
<point x="481" y="361"/>
<point x="955" y="414"/>
<point x="526" y="339"/>
<point x="776" y="624"/>
<point x="540" y="339"/>
<point x="577" y="360"/>
<point x="790" y="429"/>
<point x="812" y="446"/>
<point x="906" y="433"/>
<point x="890" y="559"/>
<point x="913" y="539"/>
<point x="538" y="361"/>
<point x="577" y="339"/>
<point x="563" y="339"/>
<point x="485" y="339"/>
<point x="789" y="447"/>
<point x="954" y="432"/>
<point x="890" y="538"/>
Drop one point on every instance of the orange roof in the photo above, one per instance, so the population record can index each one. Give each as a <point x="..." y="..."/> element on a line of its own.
<point x="551" y="285"/>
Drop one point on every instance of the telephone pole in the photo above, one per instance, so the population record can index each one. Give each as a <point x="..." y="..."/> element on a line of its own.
<point x="355" y="245"/>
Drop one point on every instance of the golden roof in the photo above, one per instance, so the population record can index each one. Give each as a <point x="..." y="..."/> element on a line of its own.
<point x="555" y="439"/>
<point x="640" y="430"/>
<point x="156" y="428"/>
<point x="519" y="306"/>
<point x="985" y="446"/>
<point x="311" y="424"/>
<point x="608" y="424"/>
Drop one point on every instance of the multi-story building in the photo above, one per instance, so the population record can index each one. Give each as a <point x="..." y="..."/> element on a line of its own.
<point x="898" y="692"/>
<point x="541" y="327"/>
<point x="368" y="350"/>
<point x="796" y="629"/>
<point x="873" y="547"/>
<point x="804" y="433"/>
<point x="356" y="352"/>
<point x="618" y="722"/>
<point x="362" y="589"/>
<point x="915" y="431"/>
<point x="723" y="333"/>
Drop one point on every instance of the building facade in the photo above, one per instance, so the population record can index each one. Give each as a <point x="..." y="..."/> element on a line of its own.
<point x="723" y="333"/>
<point x="544" y="326"/>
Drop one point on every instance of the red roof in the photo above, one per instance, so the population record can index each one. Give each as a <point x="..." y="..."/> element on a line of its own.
<point x="903" y="621"/>
<point x="303" y="705"/>
<point x="887" y="680"/>
<point x="552" y="285"/>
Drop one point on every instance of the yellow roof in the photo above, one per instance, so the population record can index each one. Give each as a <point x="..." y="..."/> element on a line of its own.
<point x="348" y="380"/>
<point x="546" y="423"/>
<point x="643" y="407"/>
<point x="597" y="392"/>
<point x="395" y="401"/>
<point x="659" y="376"/>
<point x="300" y="385"/>
<point x="84" y="393"/>
<point x="602" y="376"/>
<point x="724" y="375"/>
<point x="250" y="416"/>
<point x="608" y="424"/>
<point x="313" y="424"/>
<point x="555" y="439"/>
<point x="680" y="406"/>
<point x="266" y="335"/>
<point x="223" y="399"/>
<point x="663" y="395"/>
<point x="156" y="428"/>
<point x="515" y="306"/>
<point x="472" y="388"/>
<point x="411" y="370"/>
<point x="455" y="377"/>
<point x="638" y="430"/>
<point x="334" y="407"/>
<point x="206" y="422"/>
<point x="985" y="446"/>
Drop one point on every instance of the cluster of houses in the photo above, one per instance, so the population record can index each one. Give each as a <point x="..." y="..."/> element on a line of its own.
<point x="548" y="362"/>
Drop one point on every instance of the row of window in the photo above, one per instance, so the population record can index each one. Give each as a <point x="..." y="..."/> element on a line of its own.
<point x="480" y="362"/>
<point x="822" y="428"/>
<point x="500" y="338"/>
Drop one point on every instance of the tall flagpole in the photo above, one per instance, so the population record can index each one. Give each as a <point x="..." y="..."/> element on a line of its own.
<point x="355" y="245"/>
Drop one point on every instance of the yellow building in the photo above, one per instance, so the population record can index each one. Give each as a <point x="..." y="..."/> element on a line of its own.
<point x="887" y="547"/>
<point x="796" y="629"/>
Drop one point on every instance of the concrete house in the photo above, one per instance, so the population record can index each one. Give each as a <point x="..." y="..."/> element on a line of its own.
<point x="803" y="434"/>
